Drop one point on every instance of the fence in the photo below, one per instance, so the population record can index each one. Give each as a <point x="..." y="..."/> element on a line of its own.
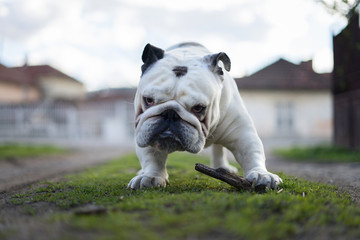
<point x="102" y="121"/>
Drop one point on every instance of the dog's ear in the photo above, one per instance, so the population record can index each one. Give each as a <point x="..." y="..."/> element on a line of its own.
<point x="150" y="55"/>
<point x="214" y="59"/>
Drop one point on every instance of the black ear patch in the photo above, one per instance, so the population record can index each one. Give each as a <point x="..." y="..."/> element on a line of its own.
<point x="150" y="55"/>
<point x="180" y="71"/>
<point x="214" y="60"/>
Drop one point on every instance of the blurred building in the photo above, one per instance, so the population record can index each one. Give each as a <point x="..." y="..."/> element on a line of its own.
<point x="346" y="85"/>
<point x="41" y="102"/>
<point x="111" y="113"/>
<point x="289" y="102"/>
<point x="16" y="87"/>
<point x="31" y="84"/>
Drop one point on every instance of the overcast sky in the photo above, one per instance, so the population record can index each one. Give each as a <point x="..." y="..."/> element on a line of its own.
<point x="100" y="42"/>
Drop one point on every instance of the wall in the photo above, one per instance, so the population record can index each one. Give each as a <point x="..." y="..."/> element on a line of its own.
<point x="346" y="119"/>
<point x="346" y="85"/>
<point x="11" y="93"/>
<point x="54" y="87"/>
<point x="110" y="123"/>
<point x="312" y="113"/>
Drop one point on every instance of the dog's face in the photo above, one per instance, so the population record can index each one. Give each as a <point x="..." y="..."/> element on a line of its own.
<point x="177" y="101"/>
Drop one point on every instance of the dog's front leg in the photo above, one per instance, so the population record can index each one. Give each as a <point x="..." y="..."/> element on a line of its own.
<point x="249" y="153"/>
<point x="153" y="169"/>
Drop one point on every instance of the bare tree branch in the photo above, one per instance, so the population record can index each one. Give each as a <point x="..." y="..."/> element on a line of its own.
<point x="345" y="8"/>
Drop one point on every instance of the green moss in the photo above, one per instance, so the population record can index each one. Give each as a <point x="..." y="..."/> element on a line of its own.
<point x="17" y="150"/>
<point x="195" y="206"/>
<point x="319" y="154"/>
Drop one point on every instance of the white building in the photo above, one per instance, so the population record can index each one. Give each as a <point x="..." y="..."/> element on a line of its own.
<point x="290" y="104"/>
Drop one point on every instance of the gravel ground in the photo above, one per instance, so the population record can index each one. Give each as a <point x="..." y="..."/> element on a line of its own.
<point x="18" y="173"/>
<point x="344" y="175"/>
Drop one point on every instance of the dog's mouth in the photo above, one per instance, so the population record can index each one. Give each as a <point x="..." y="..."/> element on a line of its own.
<point x="168" y="141"/>
<point x="167" y="134"/>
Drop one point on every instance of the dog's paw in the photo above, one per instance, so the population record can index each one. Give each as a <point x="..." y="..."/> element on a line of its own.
<point x="143" y="181"/>
<point x="262" y="177"/>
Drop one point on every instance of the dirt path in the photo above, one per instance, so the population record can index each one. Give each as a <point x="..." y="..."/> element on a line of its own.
<point x="344" y="175"/>
<point x="17" y="173"/>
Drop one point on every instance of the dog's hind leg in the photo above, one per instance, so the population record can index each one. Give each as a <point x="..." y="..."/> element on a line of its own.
<point x="219" y="159"/>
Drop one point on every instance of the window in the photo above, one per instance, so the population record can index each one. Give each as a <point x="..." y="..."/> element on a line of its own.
<point x="285" y="117"/>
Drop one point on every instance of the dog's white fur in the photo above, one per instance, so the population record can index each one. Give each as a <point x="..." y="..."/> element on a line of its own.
<point x="226" y="124"/>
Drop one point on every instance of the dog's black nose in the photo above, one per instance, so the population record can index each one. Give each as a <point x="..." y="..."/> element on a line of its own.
<point x="170" y="115"/>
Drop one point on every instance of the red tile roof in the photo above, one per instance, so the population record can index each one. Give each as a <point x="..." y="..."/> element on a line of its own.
<point x="13" y="75"/>
<point x="284" y="75"/>
<point x="34" y="72"/>
<point x="29" y="74"/>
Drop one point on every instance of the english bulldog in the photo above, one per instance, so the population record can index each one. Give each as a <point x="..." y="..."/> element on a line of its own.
<point x="186" y="100"/>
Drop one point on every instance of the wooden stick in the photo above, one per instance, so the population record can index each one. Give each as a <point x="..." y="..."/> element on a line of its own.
<point x="234" y="180"/>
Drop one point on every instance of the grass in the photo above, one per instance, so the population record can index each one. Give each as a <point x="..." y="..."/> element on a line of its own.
<point x="319" y="154"/>
<point x="17" y="150"/>
<point x="194" y="206"/>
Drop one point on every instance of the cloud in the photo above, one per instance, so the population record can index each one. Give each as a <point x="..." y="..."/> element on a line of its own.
<point x="24" y="18"/>
<point x="188" y="5"/>
<point x="232" y="24"/>
<point x="100" y="41"/>
<point x="4" y="11"/>
<point x="322" y="62"/>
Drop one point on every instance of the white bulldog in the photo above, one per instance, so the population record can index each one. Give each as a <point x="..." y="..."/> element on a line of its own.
<point x="185" y="101"/>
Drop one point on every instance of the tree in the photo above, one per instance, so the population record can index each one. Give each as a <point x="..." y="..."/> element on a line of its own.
<point x="346" y="8"/>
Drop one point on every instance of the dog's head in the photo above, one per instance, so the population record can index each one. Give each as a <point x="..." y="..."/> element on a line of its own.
<point x="177" y="100"/>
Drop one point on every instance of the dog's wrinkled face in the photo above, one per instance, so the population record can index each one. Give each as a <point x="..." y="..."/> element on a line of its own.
<point x="169" y="128"/>
<point x="177" y="101"/>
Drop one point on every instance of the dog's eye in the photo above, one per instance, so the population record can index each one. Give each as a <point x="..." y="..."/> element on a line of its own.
<point x="149" y="101"/>
<point x="198" y="109"/>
